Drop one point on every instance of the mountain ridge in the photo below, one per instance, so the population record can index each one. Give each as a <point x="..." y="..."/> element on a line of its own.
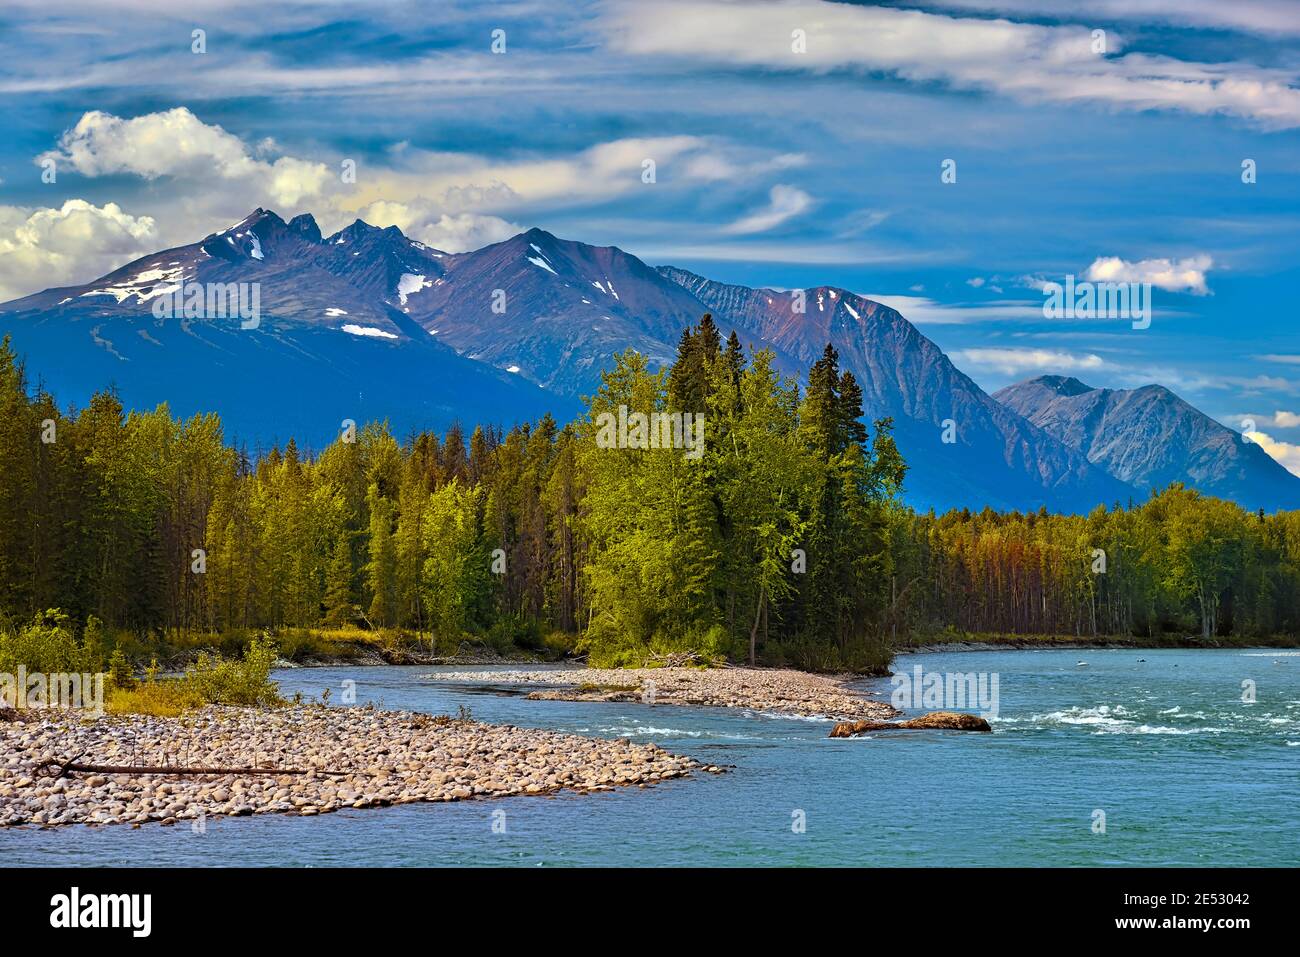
<point x="1133" y="435"/>
<point x="324" y="348"/>
<point x="368" y="323"/>
<point x="906" y="376"/>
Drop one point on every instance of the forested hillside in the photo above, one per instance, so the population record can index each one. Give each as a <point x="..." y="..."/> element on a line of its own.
<point x="785" y="542"/>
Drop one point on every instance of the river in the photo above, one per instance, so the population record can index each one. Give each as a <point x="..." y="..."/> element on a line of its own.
<point x="1185" y="772"/>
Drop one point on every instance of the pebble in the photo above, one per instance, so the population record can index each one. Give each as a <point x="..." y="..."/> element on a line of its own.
<point x="777" y="691"/>
<point x="385" y="758"/>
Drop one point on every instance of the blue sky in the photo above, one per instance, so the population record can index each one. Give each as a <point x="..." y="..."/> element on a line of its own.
<point x="773" y="166"/>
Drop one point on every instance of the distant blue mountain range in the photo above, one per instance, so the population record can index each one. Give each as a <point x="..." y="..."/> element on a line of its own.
<point x="368" y="324"/>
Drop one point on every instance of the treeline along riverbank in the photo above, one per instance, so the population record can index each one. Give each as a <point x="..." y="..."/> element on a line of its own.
<point x="784" y="542"/>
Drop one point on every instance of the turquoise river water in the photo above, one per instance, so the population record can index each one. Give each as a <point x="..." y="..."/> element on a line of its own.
<point x="1185" y="772"/>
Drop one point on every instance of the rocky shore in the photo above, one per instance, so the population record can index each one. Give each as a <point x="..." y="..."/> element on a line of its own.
<point x="383" y="757"/>
<point x="773" y="691"/>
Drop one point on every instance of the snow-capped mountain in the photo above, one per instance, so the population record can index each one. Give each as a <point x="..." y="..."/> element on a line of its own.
<point x="369" y="324"/>
<point x="331" y="341"/>
<point x="554" y="310"/>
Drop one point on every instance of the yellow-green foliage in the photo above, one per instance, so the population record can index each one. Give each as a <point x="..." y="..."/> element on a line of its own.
<point x="166" y="698"/>
<point x="49" y="644"/>
<point x="781" y="539"/>
<point x="210" y="680"/>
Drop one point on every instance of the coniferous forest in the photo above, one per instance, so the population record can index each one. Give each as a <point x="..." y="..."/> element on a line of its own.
<point x="785" y="543"/>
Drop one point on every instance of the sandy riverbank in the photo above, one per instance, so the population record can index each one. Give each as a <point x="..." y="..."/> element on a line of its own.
<point x="769" y="690"/>
<point x="387" y="758"/>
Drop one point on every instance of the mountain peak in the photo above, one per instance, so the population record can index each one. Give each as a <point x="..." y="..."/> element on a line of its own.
<point x="1149" y="437"/>
<point x="1159" y="391"/>
<point x="256" y="218"/>
<point x="371" y="297"/>
<point x="305" y="225"/>
<point x="536" y="236"/>
<point x="261" y="215"/>
<point x="1062" y="384"/>
<point x="360" y="229"/>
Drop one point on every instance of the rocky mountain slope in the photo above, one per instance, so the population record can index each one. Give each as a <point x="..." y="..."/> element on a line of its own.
<point x="1149" y="437"/>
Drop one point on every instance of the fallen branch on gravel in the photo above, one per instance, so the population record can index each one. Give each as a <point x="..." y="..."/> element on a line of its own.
<point x="47" y="768"/>
<point x="680" y="659"/>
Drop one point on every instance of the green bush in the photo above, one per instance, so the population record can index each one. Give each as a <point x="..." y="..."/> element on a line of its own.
<point x="217" y="680"/>
<point x="119" y="670"/>
<point x="712" y="644"/>
<point x="49" y="644"/>
<point x="864" y="657"/>
<point x="210" y="680"/>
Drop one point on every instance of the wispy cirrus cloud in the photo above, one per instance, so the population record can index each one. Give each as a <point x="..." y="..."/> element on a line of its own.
<point x="1015" y="362"/>
<point x="1025" y="61"/>
<point x="459" y="181"/>
<point x="789" y="252"/>
<point x="784" y="203"/>
<point x="1278" y="419"/>
<point x="923" y="310"/>
<point x="1265" y="17"/>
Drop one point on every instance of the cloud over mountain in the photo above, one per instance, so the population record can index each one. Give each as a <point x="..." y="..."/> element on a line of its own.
<point x="57" y="245"/>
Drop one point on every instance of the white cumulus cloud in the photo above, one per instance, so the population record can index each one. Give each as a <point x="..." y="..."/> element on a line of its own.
<point x="52" y="247"/>
<point x="1171" y="275"/>
<point x="465" y="231"/>
<point x="1281" y="419"/>
<point x="450" y="232"/>
<point x="1284" y="452"/>
<point x="177" y="143"/>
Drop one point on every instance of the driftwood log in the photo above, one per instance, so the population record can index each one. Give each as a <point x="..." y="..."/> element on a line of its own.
<point x="679" y="659"/>
<point x="952" y="720"/>
<point x="48" y="768"/>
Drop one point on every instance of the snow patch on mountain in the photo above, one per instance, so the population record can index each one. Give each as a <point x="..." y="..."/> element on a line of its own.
<point x="144" y="286"/>
<point x="353" y="329"/>
<point x="410" y="284"/>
